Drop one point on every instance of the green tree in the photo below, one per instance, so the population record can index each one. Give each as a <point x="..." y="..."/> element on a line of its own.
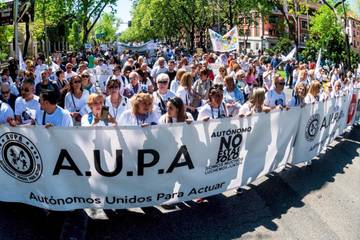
<point x="325" y="33"/>
<point x="5" y="37"/>
<point x="107" y="25"/>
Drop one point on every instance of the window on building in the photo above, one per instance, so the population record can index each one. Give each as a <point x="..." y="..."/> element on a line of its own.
<point x="257" y="45"/>
<point x="304" y="24"/>
<point x="247" y="45"/>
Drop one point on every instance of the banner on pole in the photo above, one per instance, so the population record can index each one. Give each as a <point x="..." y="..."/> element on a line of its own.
<point x="227" y="43"/>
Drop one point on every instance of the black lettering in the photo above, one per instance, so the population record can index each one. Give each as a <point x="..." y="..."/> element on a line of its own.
<point x="118" y="164"/>
<point x="236" y="140"/>
<point x="141" y="160"/>
<point x="59" y="164"/>
<point x="175" y="163"/>
<point x="225" y="143"/>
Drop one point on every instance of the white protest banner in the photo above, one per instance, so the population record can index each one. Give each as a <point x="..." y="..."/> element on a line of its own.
<point x="227" y="43"/>
<point x="320" y="124"/>
<point x="357" y="109"/>
<point x="126" y="167"/>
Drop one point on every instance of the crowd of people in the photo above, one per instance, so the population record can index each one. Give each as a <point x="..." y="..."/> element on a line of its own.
<point x="110" y="89"/>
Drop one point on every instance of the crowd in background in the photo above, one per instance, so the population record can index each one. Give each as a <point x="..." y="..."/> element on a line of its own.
<point x="105" y="88"/>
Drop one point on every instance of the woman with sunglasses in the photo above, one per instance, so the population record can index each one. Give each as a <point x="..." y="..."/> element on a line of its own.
<point x="98" y="116"/>
<point x="215" y="107"/>
<point x="75" y="99"/>
<point x="117" y="104"/>
<point x="175" y="112"/>
<point x="86" y="83"/>
<point x="163" y="94"/>
<point x="141" y="112"/>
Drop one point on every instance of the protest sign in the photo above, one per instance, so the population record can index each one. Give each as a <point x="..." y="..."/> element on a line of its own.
<point x="125" y="167"/>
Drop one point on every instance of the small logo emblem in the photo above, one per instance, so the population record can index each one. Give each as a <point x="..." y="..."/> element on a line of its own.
<point x="312" y="127"/>
<point x="20" y="158"/>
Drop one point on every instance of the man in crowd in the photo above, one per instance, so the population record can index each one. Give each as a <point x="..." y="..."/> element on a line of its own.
<point x="45" y="84"/>
<point x="276" y="97"/>
<point x="160" y="68"/>
<point x="171" y="72"/>
<point x="27" y="104"/>
<point x="51" y="114"/>
<point x="6" y="96"/>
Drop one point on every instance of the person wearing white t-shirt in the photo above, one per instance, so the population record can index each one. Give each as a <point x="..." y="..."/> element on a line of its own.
<point x="337" y="90"/>
<point x="215" y="107"/>
<point x="163" y="94"/>
<point x="39" y="68"/>
<point x="6" y="113"/>
<point x="98" y="115"/>
<point x="160" y="68"/>
<point x="117" y="75"/>
<point x="51" y="114"/>
<point x="69" y="73"/>
<point x="176" y="82"/>
<point x="27" y="104"/>
<point x="175" y="112"/>
<point x="117" y="104"/>
<point x="103" y="72"/>
<point x="276" y="97"/>
<point x="313" y="95"/>
<point x="141" y="112"/>
<point x="75" y="100"/>
<point x="255" y="103"/>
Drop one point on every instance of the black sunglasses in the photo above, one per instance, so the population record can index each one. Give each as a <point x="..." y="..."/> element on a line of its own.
<point x="5" y="92"/>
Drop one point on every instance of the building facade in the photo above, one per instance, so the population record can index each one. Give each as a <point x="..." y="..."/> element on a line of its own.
<point x="353" y="31"/>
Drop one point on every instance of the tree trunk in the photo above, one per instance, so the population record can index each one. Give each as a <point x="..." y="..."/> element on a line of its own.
<point x="27" y="39"/>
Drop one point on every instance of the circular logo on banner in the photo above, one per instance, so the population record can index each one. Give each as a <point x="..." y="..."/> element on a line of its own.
<point x="20" y="158"/>
<point x="312" y="127"/>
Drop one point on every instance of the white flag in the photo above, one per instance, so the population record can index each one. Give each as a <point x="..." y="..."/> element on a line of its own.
<point x="318" y="62"/>
<point x="290" y="55"/>
<point x="22" y="65"/>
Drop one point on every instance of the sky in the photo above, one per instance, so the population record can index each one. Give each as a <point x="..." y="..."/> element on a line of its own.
<point x="353" y="7"/>
<point x="123" y="12"/>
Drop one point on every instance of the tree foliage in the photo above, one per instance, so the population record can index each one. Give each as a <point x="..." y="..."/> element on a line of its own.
<point x="107" y="25"/>
<point x="73" y="20"/>
<point x="325" y="33"/>
<point x="172" y="20"/>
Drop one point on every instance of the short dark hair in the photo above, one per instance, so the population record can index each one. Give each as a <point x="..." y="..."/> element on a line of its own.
<point x="51" y="96"/>
<point x="58" y="72"/>
<point x="29" y="81"/>
<point x="204" y="72"/>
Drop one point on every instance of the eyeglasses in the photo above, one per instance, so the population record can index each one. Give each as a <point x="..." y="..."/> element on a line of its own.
<point x="25" y="89"/>
<point x="281" y="83"/>
<point x="75" y="82"/>
<point x="5" y="92"/>
<point x="114" y="87"/>
<point x="85" y="76"/>
<point x="163" y="82"/>
<point x="132" y="78"/>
